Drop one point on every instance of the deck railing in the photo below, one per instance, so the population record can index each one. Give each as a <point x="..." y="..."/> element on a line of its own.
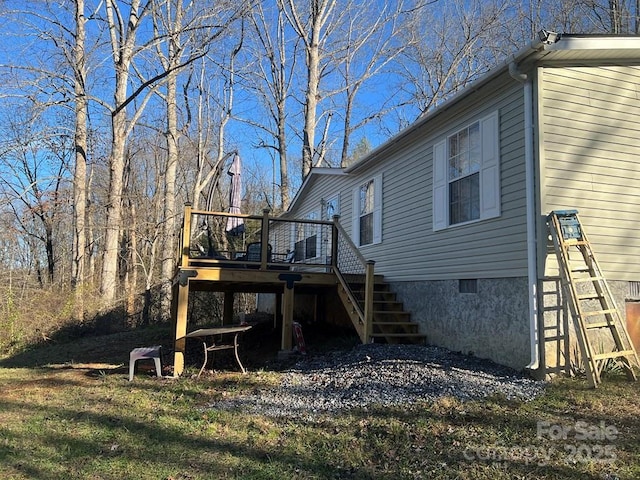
<point x="260" y="241"/>
<point x="266" y="243"/>
<point x="355" y="273"/>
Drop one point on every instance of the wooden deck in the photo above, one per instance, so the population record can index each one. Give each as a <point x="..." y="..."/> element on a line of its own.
<point x="267" y="255"/>
<point x="281" y="256"/>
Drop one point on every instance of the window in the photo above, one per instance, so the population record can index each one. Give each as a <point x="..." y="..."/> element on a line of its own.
<point x="464" y="177"/>
<point x="366" y="213"/>
<point x="306" y="243"/>
<point x="466" y="183"/>
<point x="367" y="218"/>
<point x="311" y="237"/>
<point x="331" y="208"/>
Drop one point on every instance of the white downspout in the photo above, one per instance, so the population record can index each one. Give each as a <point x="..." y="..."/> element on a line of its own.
<point x="532" y="265"/>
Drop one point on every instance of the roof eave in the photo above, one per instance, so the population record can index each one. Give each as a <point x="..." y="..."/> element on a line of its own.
<point x="315" y="171"/>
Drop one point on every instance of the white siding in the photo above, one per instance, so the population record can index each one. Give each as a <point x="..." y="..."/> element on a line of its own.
<point x="590" y="121"/>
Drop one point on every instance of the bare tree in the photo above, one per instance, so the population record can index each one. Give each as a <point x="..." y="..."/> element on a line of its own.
<point x="33" y="166"/>
<point x="124" y="50"/>
<point x="371" y="43"/>
<point x="313" y="23"/>
<point x="450" y="47"/>
<point x="189" y="32"/>
<point x="122" y="35"/>
<point x="275" y="58"/>
<point x="80" y="167"/>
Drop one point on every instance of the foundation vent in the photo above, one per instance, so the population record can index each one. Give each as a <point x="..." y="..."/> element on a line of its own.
<point x="634" y="290"/>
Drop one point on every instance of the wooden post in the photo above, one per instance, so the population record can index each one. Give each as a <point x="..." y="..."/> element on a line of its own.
<point x="334" y="241"/>
<point x="182" y="303"/>
<point x="368" y="300"/>
<point x="186" y="235"/>
<point x="181" y="329"/>
<point x="264" y="239"/>
<point x="227" y="314"/>
<point x="278" y="310"/>
<point x="287" y="316"/>
<point x="287" y="319"/>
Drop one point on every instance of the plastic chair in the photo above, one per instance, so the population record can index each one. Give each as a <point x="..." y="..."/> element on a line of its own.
<point x="144" y="353"/>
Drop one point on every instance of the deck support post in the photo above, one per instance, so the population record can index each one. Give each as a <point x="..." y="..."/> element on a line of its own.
<point x="278" y="310"/>
<point x="181" y="329"/>
<point x="287" y="307"/>
<point x="287" y="319"/>
<point x="182" y="302"/>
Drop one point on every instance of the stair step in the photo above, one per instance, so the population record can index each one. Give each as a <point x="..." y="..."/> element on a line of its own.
<point x="388" y="306"/>
<point x="380" y="293"/>
<point x="411" y="337"/>
<point x="375" y="322"/>
<point x="388" y="313"/>
<point x="399" y="335"/>
<point x="395" y="325"/>
<point x="391" y="313"/>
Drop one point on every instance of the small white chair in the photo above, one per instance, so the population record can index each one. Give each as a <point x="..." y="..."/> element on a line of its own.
<point x="142" y="353"/>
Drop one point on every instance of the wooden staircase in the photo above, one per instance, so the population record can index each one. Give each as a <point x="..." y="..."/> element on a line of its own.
<point x="390" y="322"/>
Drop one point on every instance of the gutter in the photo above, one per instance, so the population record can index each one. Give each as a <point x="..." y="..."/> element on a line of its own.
<point x="532" y="264"/>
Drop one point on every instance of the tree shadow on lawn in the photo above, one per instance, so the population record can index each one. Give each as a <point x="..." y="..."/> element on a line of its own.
<point x="203" y="452"/>
<point x="108" y="354"/>
<point x="151" y="448"/>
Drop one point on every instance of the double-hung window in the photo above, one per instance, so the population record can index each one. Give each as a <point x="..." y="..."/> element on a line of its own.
<point x="367" y="218"/>
<point x="466" y="178"/>
<point x="306" y="239"/>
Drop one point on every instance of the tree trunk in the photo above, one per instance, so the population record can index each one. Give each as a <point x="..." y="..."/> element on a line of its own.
<point x="311" y="103"/>
<point x="169" y="230"/>
<point x="80" y="171"/>
<point x="108" y="285"/>
<point x="122" y="50"/>
<point x="282" y="153"/>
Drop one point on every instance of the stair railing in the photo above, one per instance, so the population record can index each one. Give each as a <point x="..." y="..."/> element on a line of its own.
<point x="351" y="268"/>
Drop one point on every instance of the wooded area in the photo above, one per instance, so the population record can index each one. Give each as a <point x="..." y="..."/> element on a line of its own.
<point x="114" y="113"/>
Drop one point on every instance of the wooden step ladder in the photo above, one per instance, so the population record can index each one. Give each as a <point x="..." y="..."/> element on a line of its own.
<point x="590" y="300"/>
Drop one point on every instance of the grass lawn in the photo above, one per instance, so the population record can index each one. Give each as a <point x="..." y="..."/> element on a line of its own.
<point x="77" y="419"/>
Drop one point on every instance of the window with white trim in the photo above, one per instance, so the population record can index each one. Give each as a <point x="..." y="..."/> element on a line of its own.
<point x="466" y="175"/>
<point x="306" y="239"/>
<point x="367" y="218"/>
<point x="331" y="208"/>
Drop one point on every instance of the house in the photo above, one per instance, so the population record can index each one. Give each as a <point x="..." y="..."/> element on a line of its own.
<point x="453" y="208"/>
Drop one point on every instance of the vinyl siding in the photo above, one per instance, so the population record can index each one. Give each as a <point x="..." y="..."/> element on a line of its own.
<point x="323" y="188"/>
<point x="410" y="249"/>
<point x="590" y="123"/>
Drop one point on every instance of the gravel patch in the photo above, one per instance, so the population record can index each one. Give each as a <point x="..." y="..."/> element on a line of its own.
<point x="382" y="375"/>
